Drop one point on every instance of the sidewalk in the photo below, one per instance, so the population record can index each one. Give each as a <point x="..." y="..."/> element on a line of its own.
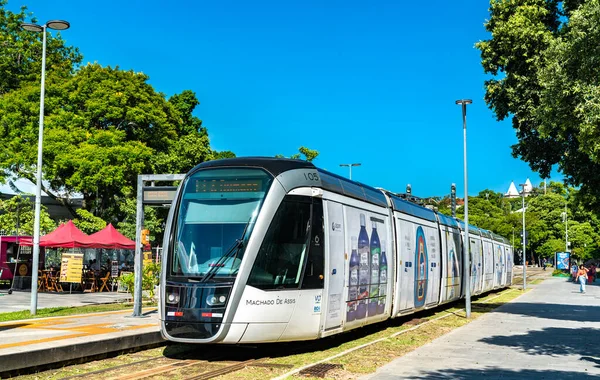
<point x="34" y="342"/>
<point x="21" y="300"/>
<point x="551" y="332"/>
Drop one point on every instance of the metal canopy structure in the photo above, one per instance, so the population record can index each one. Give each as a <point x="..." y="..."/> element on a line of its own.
<point x="159" y="195"/>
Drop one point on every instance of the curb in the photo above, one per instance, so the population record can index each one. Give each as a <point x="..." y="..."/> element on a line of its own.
<point x="53" y="355"/>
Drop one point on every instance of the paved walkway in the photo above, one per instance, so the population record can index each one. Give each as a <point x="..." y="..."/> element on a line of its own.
<point x="551" y="332"/>
<point x="21" y="300"/>
<point x="34" y="342"/>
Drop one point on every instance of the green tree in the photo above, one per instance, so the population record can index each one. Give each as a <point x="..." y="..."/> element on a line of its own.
<point x="88" y="223"/>
<point x="103" y="127"/>
<point x="153" y="220"/>
<point x="550" y="247"/>
<point x="584" y="240"/>
<point x="21" y="52"/>
<point x="309" y="154"/>
<point x="543" y="55"/>
<point x="18" y="211"/>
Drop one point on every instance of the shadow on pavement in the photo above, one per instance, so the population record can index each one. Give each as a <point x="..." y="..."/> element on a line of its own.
<point x="13" y="326"/>
<point x="578" y="313"/>
<point x="501" y="373"/>
<point x="554" y="341"/>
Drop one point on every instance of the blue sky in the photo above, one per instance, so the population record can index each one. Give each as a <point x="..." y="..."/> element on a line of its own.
<point x="367" y="82"/>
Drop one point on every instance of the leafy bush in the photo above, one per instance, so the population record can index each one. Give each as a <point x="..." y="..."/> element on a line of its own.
<point x="560" y="273"/>
<point x="150" y="278"/>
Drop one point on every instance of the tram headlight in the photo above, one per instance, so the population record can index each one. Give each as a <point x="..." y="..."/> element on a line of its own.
<point x="173" y="298"/>
<point x="216" y="300"/>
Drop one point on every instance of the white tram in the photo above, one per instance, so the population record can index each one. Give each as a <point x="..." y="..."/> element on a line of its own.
<point x="275" y="250"/>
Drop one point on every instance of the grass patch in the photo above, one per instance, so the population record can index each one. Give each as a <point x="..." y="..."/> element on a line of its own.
<point x="86" y="368"/>
<point x="368" y="359"/>
<point x="354" y="364"/>
<point x="62" y="311"/>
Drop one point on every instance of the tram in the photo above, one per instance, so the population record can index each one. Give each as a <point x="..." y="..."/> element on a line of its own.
<point x="277" y="250"/>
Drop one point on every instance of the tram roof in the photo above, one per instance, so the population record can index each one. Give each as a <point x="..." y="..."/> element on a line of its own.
<point x="341" y="185"/>
<point x="329" y="181"/>
<point x="485" y="233"/>
<point x="410" y="208"/>
<point x="472" y="228"/>
<point x="446" y="220"/>
<point x="274" y="166"/>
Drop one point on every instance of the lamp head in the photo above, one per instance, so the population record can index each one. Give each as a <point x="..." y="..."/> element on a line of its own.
<point x="32" y="27"/>
<point x="58" y="24"/>
<point x="464" y="101"/>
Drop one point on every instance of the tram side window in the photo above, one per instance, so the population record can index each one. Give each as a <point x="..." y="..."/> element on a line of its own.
<point x="279" y="261"/>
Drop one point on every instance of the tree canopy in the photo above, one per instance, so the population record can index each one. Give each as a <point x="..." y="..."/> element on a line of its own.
<point x="543" y="56"/>
<point x="544" y="220"/>
<point x="304" y="153"/>
<point x="17" y="214"/>
<point x="21" y="52"/>
<point x="103" y="126"/>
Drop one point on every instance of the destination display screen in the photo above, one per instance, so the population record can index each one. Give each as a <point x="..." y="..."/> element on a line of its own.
<point x="228" y="185"/>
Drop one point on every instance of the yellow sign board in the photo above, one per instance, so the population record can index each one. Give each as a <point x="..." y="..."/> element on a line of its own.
<point x="147" y="258"/>
<point x="71" y="267"/>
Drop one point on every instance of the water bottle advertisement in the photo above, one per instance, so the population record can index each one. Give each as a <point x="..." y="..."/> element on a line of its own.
<point x="453" y="267"/>
<point x="367" y="264"/>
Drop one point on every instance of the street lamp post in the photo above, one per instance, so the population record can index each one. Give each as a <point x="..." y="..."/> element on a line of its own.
<point x="466" y="255"/>
<point x="513" y="240"/>
<point x="350" y="167"/>
<point x="56" y="25"/>
<point x="566" y="220"/>
<point x="524" y="238"/>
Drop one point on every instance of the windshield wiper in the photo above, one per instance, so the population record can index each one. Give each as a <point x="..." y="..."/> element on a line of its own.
<point x="237" y="245"/>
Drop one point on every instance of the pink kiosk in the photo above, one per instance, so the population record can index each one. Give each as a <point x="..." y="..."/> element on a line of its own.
<point x="15" y="261"/>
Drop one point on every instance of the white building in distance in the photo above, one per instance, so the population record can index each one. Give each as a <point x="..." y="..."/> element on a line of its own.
<point x="514" y="193"/>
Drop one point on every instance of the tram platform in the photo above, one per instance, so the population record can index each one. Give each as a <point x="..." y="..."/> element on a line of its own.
<point x="43" y="341"/>
<point x="551" y="332"/>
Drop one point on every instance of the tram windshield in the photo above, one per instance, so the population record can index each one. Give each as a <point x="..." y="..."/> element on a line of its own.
<point x="217" y="211"/>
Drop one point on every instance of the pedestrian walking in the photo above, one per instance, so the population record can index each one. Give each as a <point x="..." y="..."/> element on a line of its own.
<point x="574" y="270"/>
<point x="544" y="263"/>
<point x="592" y="273"/>
<point x="582" y="277"/>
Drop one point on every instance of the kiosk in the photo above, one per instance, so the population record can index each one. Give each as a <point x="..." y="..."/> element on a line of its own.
<point x="16" y="259"/>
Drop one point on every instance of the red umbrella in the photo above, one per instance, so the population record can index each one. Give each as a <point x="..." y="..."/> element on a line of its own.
<point x="110" y="238"/>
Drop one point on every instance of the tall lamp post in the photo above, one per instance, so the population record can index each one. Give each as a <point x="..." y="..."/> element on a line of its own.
<point x="350" y="167"/>
<point x="524" y="238"/>
<point x="565" y="219"/>
<point x="56" y="25"/>
<point x="466" y="251"/>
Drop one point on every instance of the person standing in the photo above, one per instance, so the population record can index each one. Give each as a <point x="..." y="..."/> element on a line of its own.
<point x="544" y="263"/>
<point x="582" y="277"/>
<point x="574" y="270"/>
<point x="591" y="273"/>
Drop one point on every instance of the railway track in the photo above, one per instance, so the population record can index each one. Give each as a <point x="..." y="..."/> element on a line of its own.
<point x="188" y="364"/>
<point x="193" y="362"/>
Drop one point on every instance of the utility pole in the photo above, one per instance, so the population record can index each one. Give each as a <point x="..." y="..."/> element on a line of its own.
<point x="466" y="252"/>
<point x="524" y="239"/>
<point x="350" y="167"/>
